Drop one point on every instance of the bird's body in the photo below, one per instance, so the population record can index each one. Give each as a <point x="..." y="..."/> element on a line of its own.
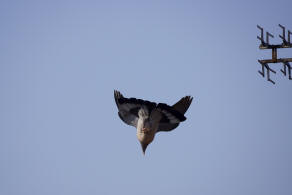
<point x="149" y="117"/>
<point x="147" y="126"/>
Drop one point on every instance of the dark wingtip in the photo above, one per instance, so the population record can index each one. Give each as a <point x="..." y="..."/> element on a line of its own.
<point x="189" y="99"/>
<point x="117" y="96"/>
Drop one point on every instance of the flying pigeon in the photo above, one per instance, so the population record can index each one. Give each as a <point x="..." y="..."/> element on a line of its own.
<point x="149" y="117"/>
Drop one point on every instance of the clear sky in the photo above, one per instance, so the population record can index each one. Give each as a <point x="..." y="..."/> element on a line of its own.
<point x="59" y="130"/>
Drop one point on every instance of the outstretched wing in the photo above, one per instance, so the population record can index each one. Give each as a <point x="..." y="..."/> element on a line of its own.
<point x="183" y="104"/>
<point x="129" y="108"/>
<point x="181" y="107"/>
<point x="125" y="113"/>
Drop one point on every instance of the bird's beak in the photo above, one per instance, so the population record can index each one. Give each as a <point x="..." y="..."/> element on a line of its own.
<point x="144" y="146"/>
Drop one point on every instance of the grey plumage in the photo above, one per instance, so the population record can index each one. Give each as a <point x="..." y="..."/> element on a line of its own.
<point x="181" y="106"/>
<point x="149" y="117"/>
<point x="125" y="113"/>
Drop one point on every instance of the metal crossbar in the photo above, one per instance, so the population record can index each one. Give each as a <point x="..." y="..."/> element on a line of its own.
<point x="266" y="45"/>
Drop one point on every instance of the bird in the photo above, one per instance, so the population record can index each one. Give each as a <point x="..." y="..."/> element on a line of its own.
<point x="149" y="117"/>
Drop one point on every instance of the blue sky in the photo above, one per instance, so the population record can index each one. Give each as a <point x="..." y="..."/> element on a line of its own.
<point x="59" y="130"/>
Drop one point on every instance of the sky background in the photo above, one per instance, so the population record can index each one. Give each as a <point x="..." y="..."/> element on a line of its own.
<point x="59" y="130"/>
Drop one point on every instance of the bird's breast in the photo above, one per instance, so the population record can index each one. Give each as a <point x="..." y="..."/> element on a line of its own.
<point x="145" y="136"/>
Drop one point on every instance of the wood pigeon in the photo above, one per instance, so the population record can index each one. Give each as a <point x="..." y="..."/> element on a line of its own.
<point x="149" y="117"/>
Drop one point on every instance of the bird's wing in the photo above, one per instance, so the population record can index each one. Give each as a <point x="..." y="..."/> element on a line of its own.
<point x="170" y="115"/>
<point x="181" y="106"/>
<point x="129" y="108"/>
<point x="170" y="118"/>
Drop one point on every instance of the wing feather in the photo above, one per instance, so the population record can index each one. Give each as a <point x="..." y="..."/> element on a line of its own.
<point x="181" y="106"/>
<point x="171" y="116"/>
<point x="129" y="107"/>
<point x="125" y="113"/>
